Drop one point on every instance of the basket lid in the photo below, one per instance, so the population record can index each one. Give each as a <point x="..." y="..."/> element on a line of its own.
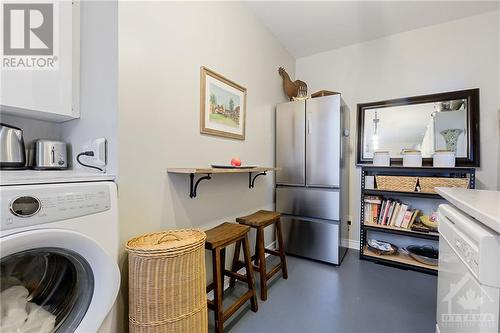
<point x="167" y="241"/>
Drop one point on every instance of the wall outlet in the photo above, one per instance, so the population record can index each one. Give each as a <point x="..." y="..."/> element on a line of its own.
<point x="100" y="149"/>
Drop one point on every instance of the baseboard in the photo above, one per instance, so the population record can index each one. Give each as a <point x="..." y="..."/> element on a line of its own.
<point x="350" y="243"/>
<point x="242" y="271"/>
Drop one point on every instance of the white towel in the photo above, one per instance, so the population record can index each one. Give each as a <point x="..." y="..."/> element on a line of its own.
<point x="39" y="320"/>
<point x="20" y="316"/>
<point x="13" y="305"/>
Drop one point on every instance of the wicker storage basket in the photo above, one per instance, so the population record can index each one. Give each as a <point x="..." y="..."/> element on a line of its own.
<point x="427" y="184"/>
<point x="396" y="183"/>
<point x="167" y="285"/>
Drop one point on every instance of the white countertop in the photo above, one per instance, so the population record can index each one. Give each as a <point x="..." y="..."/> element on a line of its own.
<point x="482" y="205"/>
<point x="24" y="177"/>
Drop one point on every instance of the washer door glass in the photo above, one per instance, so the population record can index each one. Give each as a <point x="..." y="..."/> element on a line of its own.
<point x="44" y="290"/>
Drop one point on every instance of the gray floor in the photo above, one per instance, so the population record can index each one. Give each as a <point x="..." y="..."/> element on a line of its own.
<point x="359" y="296"/>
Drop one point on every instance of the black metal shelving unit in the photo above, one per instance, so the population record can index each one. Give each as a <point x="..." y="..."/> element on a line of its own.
<point x="402" y="261"/>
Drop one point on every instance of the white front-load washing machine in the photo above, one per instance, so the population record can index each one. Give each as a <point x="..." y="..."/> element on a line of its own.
<point x="59" y="250"/>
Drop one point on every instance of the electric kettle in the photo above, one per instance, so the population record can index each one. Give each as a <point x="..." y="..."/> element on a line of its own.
<point x="12" y="153"/>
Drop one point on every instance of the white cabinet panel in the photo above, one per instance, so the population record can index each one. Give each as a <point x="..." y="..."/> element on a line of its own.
<point x="51" y="94"/>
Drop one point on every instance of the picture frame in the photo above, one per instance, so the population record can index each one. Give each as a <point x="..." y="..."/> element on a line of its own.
<point x="222" y="106"/>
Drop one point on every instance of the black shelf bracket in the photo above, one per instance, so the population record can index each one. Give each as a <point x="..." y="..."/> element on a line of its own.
<point x="251" y="181"/>
<point x="194" y="185"/>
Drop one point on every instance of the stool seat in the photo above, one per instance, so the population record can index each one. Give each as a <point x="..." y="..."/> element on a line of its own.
<point x="224" y="234"/>
<point x="262" y="218"/>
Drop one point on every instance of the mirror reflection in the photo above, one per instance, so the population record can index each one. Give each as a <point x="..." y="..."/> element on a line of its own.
<point x="427" y="127"/>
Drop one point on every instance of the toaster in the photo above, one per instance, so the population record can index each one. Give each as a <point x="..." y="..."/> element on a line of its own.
<point x="50" y="154"/>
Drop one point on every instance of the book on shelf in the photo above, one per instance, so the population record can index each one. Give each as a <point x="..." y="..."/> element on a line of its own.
<point x="406" y="219"/>
<point x="388" y="212"/>
<point x="413" y="217"/>
<point x="380" y="212"/>
<point x="401" y="214"/>
<point x="395" y="214"/>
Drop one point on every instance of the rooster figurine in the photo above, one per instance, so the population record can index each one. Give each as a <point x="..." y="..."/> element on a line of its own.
<point x="293" y="89"/>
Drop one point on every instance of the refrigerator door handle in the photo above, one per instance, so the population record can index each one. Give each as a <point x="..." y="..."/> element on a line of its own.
<point x="309" y="122"/>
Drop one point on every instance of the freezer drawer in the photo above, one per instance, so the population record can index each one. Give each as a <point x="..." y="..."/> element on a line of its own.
<point x="323" y="134"/>
<point x="312" y="238"/>
<point x="290" y="143"/>
<point x="310" y="202"/>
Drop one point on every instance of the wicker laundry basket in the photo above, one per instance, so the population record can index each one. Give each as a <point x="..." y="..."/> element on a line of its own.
<point x="167" y="285"/>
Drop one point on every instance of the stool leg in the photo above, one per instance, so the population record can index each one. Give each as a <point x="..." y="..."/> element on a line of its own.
<point x="222" y="269"/>
<point x="248" y="264"/>
<point x="219" y="319"/>
<point x="281" y="250"/>
<point x="236" y="259"/>
<point x="256" y="261"/>
<point x="262" y="264"/>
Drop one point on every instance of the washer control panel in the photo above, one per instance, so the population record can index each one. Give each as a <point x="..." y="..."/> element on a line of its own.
<point x="39" y="205"/>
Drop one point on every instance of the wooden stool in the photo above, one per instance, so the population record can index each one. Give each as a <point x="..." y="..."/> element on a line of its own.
<point x="218" y="239"/>
<point x="259" y="221"/>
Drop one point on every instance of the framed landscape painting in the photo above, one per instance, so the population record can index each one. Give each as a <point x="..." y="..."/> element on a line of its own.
<point x="223" y="106"/>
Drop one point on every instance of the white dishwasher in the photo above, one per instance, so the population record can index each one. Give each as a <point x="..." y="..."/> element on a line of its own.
<point x="469" y="274"/>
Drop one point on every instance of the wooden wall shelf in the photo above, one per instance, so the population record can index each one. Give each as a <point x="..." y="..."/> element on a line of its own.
<point x="260" y="171"/>
<point x="219" y="170"/>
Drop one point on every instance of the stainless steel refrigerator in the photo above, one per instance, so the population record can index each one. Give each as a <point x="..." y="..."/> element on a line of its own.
<point x="312" y="183"/>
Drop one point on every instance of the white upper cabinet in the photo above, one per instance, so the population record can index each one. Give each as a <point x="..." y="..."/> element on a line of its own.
<point x="40" y="69"/>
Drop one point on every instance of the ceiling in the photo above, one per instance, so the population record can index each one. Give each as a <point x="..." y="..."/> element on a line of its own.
<point x="309" y="27"/>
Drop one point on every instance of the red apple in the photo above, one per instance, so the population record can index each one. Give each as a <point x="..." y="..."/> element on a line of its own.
<point x="235" y="161"/>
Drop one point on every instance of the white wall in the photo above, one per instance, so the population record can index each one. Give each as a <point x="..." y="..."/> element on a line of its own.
<point x="451" y="56"/>
<point x="161" y="48"/>
<point x="98" y="81"/>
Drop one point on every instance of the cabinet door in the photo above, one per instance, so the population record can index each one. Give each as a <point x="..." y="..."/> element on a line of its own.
<point x="290" y="143"/>
<point x="323" y="141"/>
<point x="52" y="93"/>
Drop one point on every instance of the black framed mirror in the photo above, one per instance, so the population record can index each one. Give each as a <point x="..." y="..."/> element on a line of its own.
<point x="428" y="123"/>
